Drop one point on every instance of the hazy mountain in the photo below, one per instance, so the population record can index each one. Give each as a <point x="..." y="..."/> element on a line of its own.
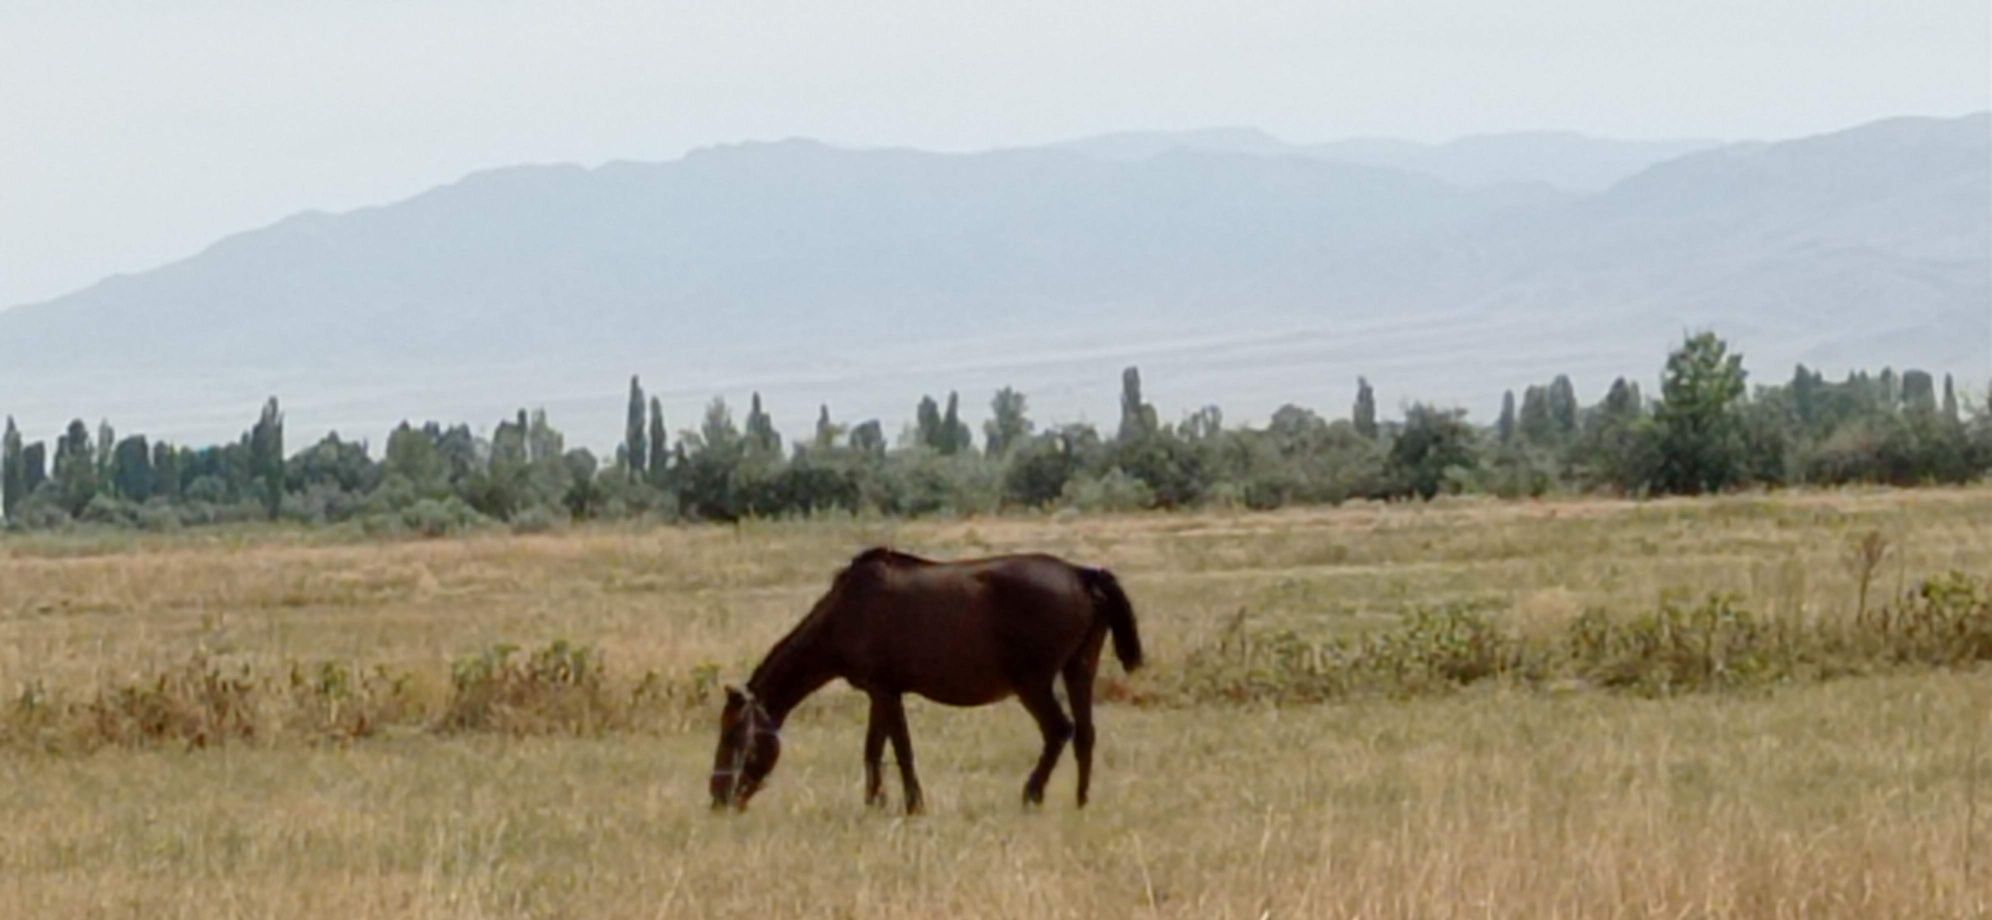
<point x="1559" y="159"/>
<point x="865" y="277"/>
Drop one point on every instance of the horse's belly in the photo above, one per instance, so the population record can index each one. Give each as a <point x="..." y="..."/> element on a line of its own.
<point x="965" y="694"/>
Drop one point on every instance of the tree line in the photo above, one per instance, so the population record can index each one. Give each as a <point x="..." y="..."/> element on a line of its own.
<point x="1705" y="431"/>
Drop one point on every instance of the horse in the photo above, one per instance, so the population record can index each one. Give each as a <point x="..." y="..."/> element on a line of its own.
<point x="962" y="633"/>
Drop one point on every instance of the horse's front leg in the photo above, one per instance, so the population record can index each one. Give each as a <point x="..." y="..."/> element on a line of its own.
<point x="875" y="731"/>
<point x="902" y="751"/>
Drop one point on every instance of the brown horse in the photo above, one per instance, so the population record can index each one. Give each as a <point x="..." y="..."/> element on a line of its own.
<point x="965" y="633"/>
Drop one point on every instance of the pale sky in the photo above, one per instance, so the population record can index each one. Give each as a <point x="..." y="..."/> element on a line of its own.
<point x="134" y="133"/>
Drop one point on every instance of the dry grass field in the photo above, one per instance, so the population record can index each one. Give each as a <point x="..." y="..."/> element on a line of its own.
<point x="1860" y="796"/>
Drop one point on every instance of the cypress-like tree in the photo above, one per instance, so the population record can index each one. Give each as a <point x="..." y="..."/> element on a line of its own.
<point x="761" y="435"/>
<point x="34" y="467"/>
<point x="1504" y="426"/>
<point x="955" y="434"/>
<point x="927" y="423"/>
<point x="827" y="431"/>
<point x="266" y="456"/>
<point x="1364" y="415"/>
<point x="1622" y="401"/>
<point x="660" y="451"/>
<point x="1950" y="400"/>
<point x="1534" y="421"/>
<point x="106" y="436"/>
<point x="546" y="445"/>
<point x="166" y="471"/>
<point x="1919" y="391"/>
<point x="75" y="470"/>
<point x="131" y="469"/>
<point x="635" y="450"/>
<point x="13" y="476"/>
<point x="1137" y="417"/>
<point x="1562" y="398"/>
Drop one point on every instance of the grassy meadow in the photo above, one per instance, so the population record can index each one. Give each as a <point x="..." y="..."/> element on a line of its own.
<point x="1867" y="794"/>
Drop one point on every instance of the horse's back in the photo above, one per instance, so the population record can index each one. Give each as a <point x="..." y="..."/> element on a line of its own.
<point x="962" y="631"/>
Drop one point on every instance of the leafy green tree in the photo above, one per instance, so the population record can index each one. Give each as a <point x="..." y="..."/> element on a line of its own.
<point x="707" y="478"/>
<point x="504" y="487"/>
<point x="458" y="447"/>
<point x="1950" y="400"/>
<point x="1364" y="415"/>
<point x="1008" y="423"/>
<point x="165" y="471"/>
<point x="1504" y="425"/>
<point x="1700" y="438"/>
<point x="1432" y="445"/>
<point x="634" y="451"/>
<point x="1919" y="391"/>
<point x="1173" y="470"/>
<point x="543" y="442"/>
<point x="1204" y="425"/>
<point x="344" y="466"/>
<point x="1037" y="468"/>
<point x="508" y="443"/>
<point x="131" y="469"/>
<point x="1618" y="442"/>
<point x="868" y="438"/>
<point x="582" y="495"/>
<point x="413" y="458"/>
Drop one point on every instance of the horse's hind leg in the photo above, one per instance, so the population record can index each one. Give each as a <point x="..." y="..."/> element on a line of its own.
<point x="1043" y="706"/>
<point x="875" y="732"/>
<point x="1079" y="693"/>
<point x="902" y="750"/>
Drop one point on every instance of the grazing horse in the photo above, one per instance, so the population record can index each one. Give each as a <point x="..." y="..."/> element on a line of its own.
<point x="965" y="633"/>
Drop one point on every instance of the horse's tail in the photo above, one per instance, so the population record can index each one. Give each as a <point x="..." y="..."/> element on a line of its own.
<point x="1111" y="602"/>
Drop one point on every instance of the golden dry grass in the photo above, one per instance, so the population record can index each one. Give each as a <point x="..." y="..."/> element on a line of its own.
<point x="1851" y="798"/>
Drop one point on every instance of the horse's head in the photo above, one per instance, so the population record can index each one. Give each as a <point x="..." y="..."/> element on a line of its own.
<point x="749" y="744"/>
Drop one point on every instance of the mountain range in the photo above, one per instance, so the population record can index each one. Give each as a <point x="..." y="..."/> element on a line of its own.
<point x="1235" y="268"/>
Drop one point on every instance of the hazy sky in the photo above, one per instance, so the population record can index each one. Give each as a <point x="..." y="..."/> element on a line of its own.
<point x="135" y="133"/>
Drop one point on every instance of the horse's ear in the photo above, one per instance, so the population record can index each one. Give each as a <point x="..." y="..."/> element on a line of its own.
<point x="734" y="694"/>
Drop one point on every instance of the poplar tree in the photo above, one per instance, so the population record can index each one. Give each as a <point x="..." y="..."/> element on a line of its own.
<point x="13" y="476"/>
<point x="658" y="461"/>
<point x="1364" y="415"/>
<point x="634" y="451"/>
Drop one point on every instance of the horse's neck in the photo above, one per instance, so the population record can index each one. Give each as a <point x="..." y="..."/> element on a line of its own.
<point x="793" y="671"/>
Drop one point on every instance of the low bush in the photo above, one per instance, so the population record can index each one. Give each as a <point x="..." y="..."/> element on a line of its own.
<point x="1713" y="645"/>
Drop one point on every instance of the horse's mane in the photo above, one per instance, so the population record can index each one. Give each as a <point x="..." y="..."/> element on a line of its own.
<point x="879" y="555"/>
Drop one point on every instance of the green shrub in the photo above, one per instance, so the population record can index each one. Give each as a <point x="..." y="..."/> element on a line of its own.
<point x="557" y="688"/>
<point x="1716" y="644"/>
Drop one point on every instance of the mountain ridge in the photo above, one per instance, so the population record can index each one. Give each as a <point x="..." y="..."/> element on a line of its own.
<point x="1811" y="249"/>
